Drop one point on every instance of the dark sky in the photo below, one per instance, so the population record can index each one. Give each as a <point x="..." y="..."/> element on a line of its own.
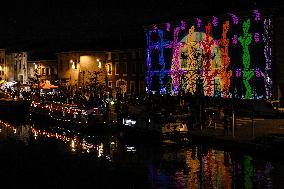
<point x="82" y="25"/>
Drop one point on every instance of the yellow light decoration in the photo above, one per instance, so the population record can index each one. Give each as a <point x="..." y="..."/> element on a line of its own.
<point x="191" y="64"/>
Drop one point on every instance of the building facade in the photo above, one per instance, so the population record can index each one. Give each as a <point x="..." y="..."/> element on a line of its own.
<point x="227" y="56"/>
<point x="16" y="67"/>
<point x="46" y="70"/>
<point x="120" y="71"/>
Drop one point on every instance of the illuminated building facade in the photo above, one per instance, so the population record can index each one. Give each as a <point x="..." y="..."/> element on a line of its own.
<point x="225" y="55"/>
<point x="16" y="67"/>
<point x="122" y="70"/>
<point x="46" y="69"/>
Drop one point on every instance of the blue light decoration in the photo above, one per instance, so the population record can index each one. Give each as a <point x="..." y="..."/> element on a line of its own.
<point x="208" y="53"/>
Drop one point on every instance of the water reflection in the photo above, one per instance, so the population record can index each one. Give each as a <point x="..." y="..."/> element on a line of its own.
<point x="196" y="166"/>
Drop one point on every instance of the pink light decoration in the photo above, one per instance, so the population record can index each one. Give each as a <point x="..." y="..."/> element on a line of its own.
<point x="183" y="24"/>
<point x="235" y="19"/>
<point x="257" y="15"/>
<point x="256" y="37"/>
<point x="168" y="26"/>
<point x="155" y="28"/>
<point x="199" y="22"/>
<point x="235" y="39"/>
<point x="238" y="72"/>
<point x="257" y="72"/>
<point x="215" y="21"/>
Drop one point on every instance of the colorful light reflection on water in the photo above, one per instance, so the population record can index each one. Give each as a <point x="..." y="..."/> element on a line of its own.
<point x="195" y="166"/>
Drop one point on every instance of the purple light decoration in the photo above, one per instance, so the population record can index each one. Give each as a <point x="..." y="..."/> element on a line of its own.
<point x="155" y="28"/>
<point x="235" y="39"/>
<point x="168" y="25"/>
<point x="199" y="21"/>
<point x="267" y="43"/>
<point x="183" y="24"/>
<point x="256" y="15"/>
<point x="257" y="72"/>
<point x="268" y="57"/>
<point x="256" y="37"/>
<point x="215" y="21"/>
<point x="234" y="18"/>
<point x="238" y="72"/>
<point x="216" y="42"/>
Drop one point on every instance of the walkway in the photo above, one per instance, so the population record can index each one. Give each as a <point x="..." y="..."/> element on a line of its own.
<point x="263" y="134"/>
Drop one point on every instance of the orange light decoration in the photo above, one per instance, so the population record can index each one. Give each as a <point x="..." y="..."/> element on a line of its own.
<point x="225" y="61"/>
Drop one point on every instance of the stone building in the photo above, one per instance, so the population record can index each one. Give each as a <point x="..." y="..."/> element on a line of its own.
<point x="16" y="67"/>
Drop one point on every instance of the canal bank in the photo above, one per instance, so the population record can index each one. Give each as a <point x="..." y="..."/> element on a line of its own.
<point x="265" y="144"/>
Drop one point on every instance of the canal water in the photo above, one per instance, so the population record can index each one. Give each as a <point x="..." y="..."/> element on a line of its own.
<point x="37" y="156"/>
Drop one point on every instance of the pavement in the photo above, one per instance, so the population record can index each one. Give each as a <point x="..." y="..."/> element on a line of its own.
<point x="257" y="134"/>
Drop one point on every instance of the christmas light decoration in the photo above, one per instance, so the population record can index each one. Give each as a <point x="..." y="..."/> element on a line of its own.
<point x="225" y="74"/>
<point x="235" y="39"/>
<point x="245" y="41"/>
<point x="199" y="22"/>
<point x="189" y="56"/>
<point x="215" y="21"/>
<point x="267" y="55"/>
<point x="257" y="15"/>
<point x="256" y="37"/>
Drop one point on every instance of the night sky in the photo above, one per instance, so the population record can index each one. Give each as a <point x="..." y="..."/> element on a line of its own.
<point x="98" y="25"/>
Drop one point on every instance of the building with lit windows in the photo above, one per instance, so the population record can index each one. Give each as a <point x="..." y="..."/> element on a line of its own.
<point x="16" y="67"/>
<point x="46" y="70"/>
<point x="122" y="71"/>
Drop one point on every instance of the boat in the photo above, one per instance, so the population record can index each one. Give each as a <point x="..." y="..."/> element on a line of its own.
<point x="66" y="114"/>
<point x="175" y="129"/>
<point x="13" y="107"/>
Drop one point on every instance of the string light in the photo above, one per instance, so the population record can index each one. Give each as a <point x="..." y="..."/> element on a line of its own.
<point x="245" y="41"/>
<point x="199" y="56"/>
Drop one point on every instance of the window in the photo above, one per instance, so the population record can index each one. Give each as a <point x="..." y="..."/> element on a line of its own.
<point x="133" y="55"/>
<point x="47" y="71"/>
<point x="110" y="84"/>
<point x="116" y="56"/>
<point x="109" y="56"/>
<point x="132" y="86"/>
<point x="61" y="66"/>
<point x="116" y="69"/>
<point x="109" y="69"/>
<point x="134" y="67"/>
<point x="124" y="68"/>
<point x="42" y="71"/>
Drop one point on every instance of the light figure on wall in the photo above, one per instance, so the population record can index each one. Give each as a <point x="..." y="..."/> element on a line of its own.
<point x="188" y="54"/>
<point x="175" y="68"/>
<point x="209" y="73"/>
<point x="191" y="45"/>
<point x="225" y="61"/>
<point x="248" y="73"/>
<point x="267" y="55"/>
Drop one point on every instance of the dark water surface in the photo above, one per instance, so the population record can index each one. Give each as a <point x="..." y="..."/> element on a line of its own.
<point x="36" y="156"/>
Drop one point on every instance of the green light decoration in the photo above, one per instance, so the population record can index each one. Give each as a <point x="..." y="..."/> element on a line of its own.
<point x="248" y="73"/>
<point x="248" y="172"/>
